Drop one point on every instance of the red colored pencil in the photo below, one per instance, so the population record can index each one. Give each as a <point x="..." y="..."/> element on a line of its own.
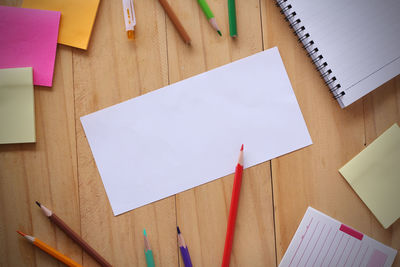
<point x="237" y="183"/>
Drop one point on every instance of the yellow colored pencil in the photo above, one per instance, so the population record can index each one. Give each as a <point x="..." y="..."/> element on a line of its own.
<point x="50" y="250"/>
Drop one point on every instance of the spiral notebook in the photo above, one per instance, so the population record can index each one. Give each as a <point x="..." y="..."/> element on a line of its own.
<point x="354" y="44"/>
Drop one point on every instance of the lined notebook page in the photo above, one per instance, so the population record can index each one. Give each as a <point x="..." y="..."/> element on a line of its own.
<point x="360" y="41"/>
<point x="323" y="241"/>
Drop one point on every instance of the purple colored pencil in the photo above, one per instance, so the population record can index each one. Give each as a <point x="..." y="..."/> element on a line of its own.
<point x="184" y="250"/>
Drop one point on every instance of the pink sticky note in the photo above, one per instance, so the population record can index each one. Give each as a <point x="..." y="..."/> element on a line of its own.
<point x="28" y="38"/>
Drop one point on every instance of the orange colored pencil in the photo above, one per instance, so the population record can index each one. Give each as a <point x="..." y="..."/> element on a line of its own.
<point x="237" y="183"/>
<point x="50" y="250"/>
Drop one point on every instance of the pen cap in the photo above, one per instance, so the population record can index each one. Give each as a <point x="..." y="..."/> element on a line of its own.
<point x="131" y="35"/>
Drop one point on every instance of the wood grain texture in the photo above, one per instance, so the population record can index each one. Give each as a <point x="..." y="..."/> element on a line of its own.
<point x="60" y="172"/>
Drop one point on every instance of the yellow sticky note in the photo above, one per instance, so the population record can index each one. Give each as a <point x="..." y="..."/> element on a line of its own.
<point x="77" y="18"/>
<point x="375" y="176"/>
<point x="17" y="111"/>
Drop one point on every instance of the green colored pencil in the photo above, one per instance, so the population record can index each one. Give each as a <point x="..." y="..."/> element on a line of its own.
<point x="232" y="18"/>
<point x="209" y="15"/>
<point x="147" y="251"/>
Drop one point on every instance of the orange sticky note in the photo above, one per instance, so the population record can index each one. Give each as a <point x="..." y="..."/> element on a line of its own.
<point x="77" y="19"/>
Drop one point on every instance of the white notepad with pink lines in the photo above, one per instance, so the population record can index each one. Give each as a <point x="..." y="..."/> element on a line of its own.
<point x="323" y="241"/>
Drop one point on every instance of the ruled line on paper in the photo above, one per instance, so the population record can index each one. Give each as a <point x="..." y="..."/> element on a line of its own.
<point x="327" y="252"/>
<point x="348" y="256"/>
<point x="308" y="243"/>
<point x="363" y="257"/>
<point x="315" y="244"/>
<point x="355" y="257"/>
<point x="326" y="238"/>
<point x="336" y="250"/>
<point x="302" y="238"/>
<point x="343" y="251"/>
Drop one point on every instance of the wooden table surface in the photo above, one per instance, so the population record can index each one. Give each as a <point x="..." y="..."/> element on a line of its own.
<point x="59" y="169"/>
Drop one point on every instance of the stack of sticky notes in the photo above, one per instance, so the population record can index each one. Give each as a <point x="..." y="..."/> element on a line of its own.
<point x="28" y="44"/>
<point x="375" y="176"/>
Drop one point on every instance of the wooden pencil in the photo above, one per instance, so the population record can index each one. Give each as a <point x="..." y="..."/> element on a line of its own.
<point x="232" y="18"/>
<point x="174" y="19"/>
<point x="184" y="249"/>
<point x="74" y="236"/>
<point x="148" y="253"/>
<point x="209" y="15"/>
<point x="50" y="250"/>
<point x="237" y="183"/>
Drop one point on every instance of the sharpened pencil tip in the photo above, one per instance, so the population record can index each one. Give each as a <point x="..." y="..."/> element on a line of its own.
<point x="179" y="230"/>
<point x="241" y="149"/>
<point x="219" y="32"/>
<point x="38" y="203"/>
<point x="21" y="233"/>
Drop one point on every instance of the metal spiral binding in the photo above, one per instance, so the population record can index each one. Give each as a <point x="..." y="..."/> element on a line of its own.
<point x="311" y="48"/>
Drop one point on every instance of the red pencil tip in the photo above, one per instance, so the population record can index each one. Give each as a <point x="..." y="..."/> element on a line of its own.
<point x="21" y="233"/>
<point x="241" y="149"/>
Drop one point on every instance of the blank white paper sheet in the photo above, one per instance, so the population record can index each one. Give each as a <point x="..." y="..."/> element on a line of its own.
<point x="189" y="133"/>
<point x="323" y="241"/>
